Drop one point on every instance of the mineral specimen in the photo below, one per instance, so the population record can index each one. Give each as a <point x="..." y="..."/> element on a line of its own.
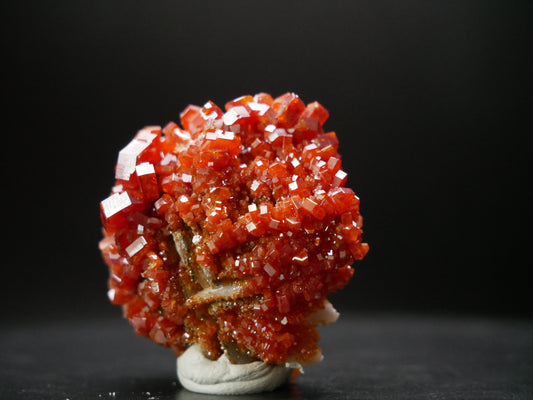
<point x="230" y="231"/>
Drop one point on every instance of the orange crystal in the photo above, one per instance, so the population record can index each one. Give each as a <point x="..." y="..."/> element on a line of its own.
<point x="231" y="231"/>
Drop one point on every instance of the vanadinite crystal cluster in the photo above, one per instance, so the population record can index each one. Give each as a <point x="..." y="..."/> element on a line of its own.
<point x="231" y="230"/>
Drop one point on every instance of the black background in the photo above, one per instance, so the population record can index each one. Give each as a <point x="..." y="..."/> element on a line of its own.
<point x="428" y="98"/>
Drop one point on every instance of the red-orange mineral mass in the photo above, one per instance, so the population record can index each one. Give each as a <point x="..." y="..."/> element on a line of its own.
<point x="230" y="230"/>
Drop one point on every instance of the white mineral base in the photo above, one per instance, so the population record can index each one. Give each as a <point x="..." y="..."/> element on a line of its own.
<point x="198" y="374"/>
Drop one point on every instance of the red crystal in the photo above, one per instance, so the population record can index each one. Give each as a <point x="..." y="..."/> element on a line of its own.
<point x="316" y="111"/>
<point x="231" y="231"/>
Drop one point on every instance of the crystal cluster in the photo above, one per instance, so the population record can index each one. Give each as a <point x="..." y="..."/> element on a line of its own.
<point x="231" y="230"/>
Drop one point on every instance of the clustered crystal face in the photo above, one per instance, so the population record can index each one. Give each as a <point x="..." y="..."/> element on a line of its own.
<point x="231" y="230"/>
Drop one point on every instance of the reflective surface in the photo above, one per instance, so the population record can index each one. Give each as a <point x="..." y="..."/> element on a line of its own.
<point x="365" y="357"/>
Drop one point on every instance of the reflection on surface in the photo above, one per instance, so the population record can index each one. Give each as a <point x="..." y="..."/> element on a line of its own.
<point x="146" y="388"/>
<point x="291" y="392"/>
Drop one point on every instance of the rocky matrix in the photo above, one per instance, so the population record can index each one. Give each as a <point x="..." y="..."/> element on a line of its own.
<point x="231" y="230"/>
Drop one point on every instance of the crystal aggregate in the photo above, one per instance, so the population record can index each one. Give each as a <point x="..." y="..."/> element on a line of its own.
<point x="231" y="230"/>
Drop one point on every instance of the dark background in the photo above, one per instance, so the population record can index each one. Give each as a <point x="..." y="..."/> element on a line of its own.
<point x="429" y="100"/>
